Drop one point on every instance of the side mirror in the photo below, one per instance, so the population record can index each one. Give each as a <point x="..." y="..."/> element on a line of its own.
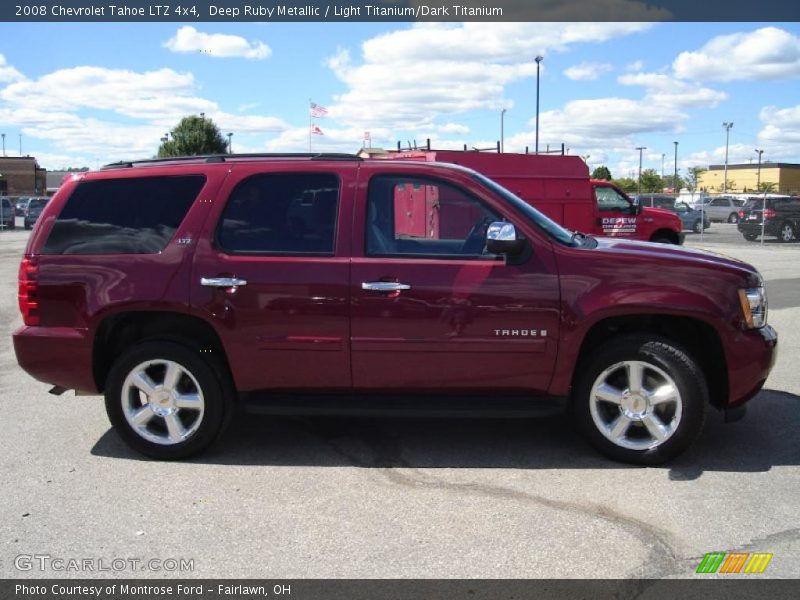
<point x="501" y="238"/>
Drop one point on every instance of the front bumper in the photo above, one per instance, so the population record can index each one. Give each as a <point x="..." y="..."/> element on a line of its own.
<point x="751" y="356"/>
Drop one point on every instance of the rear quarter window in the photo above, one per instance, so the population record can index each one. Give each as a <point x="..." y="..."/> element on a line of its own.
<point x="123" y="216"/>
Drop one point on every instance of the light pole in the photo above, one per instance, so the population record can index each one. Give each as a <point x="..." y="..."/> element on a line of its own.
<point x="675" y="186"/>
<point x="4" y="143"/>
<point x="502" y="132"/>
<point x="230" y="143"/>
<point x="639" y="187"/>
<point x="20" y="144"/>
<point x="663" y="155"/>
<point x="539" y="59"/>
<point x="758" y="185"/>
<point x="727" y="127"/>
<point x="764" y="199"/>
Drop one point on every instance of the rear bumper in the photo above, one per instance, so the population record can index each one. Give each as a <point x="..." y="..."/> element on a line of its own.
<point x="56" y="355"/>
<point x="754" y="228"/>
<point x="751" y="357"/>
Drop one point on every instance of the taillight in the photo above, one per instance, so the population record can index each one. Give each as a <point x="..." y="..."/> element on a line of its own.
<point x="769" y="213"/>
<point x="741" y="214"/>
<point x="29" y="291"/>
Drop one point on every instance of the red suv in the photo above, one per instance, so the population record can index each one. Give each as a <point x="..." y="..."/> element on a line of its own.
<point x="179" y="288"/>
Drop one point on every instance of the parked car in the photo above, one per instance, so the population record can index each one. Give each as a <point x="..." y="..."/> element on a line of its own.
<point x="33" y="210"/>
<point x="177" y="287"/>
<point x="721" y="209"/>
<point x="691" y="218"/>
<point x="781" y="218"/>
<point x="20" y="205"/>
<point x="7" y="217"/>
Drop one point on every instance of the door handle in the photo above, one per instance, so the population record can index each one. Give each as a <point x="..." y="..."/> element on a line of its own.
<point x="222" y="282"/>
<point x="385" y="286"/>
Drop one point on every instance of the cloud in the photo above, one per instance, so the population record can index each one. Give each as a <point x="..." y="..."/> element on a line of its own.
<point x="407" y="78"/>
<point x="7" y="72"/>
<point x="764" y="54"/>
<point x="453" y="128"/>
<point x="140" y="107"/>
<point x="637" y="65"/>
<point x="665" y="90"/>
<point x="587" y="71"/>
<point x="220" y="45"/>
<point x="163" y="92"/>
<point x="333" y="139"/>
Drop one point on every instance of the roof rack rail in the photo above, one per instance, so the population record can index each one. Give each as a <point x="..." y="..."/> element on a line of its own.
<point x="221" y="158"/>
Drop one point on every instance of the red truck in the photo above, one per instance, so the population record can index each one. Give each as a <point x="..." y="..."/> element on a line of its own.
<point x="182" y="288"/>
<point x="559" y="186"/>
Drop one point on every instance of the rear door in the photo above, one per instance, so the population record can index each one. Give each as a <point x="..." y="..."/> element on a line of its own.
<point x="271" y="273"/>
<point x="432" y="310"/>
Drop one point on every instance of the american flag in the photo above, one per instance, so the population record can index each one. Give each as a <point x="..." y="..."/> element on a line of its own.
<point x="316" y="130"/>
<point x="367" y="136"/>
<point x="317" y="110"/>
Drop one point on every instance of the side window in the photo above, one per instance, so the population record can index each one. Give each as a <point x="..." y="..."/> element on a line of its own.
<point x="281" y="213"/>
<point x="133" y="215"/>
<point x="608" y="199"/>
<point x="420" y="217"/>
<point x="719" y="202"/>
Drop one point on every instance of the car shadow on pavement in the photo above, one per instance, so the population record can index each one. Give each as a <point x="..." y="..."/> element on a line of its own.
<point x="766" y="437"/>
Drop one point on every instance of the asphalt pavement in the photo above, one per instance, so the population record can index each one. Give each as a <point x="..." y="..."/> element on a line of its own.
<point x="404" y="498"/>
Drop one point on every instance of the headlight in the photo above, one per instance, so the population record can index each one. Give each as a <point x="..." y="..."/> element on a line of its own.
<point x="754" y="307"/>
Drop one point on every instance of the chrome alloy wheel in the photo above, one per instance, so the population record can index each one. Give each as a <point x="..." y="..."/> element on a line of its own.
<point x="162" y="402"/>
<point x="635" y="405"/>
<point x="787" y="232"/>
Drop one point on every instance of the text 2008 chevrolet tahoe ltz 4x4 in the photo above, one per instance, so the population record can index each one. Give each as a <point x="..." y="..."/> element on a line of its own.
<point x="178" y="287"/>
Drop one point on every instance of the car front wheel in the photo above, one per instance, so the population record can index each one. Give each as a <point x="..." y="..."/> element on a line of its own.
<point x="166" y="401"/>
<point x="641" y="400"/>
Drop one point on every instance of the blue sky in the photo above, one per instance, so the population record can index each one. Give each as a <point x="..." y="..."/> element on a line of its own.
<point x="88" y="94"/>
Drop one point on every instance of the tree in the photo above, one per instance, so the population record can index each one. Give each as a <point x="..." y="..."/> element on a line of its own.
<point x="602" y="172"/>
<point x="651" y="181"/>
<point x="693" y="176"/>
<point x="670" y="182"/>
<point x="626" y="184"/>
<point x="767" y="186"/>
<point x="194" y="136"/>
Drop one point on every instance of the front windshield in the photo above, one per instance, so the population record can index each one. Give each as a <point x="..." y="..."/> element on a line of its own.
<point x="550" y="227"/>
<point x="682" y="207"/>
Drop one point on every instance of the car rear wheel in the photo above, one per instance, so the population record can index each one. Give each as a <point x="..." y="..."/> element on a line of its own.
<point x="641" y="400"/>
<point x="749" y="236"/>
<point x="697" y="227"/>
<point x="787" y="232"/>
<point x="166" y="401"/>
<point x="733" y="218"/>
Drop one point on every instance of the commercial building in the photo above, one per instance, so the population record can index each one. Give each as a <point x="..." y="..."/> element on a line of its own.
<point x="744" y="178"/>
<point x="22" y="176"/>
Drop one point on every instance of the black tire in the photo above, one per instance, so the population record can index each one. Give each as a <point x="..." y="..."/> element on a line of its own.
<point x="660" y="239"/>
<point x="28" y="226"/>
<point x="199" y="373"/>
<point x="750" y="237"/>
<point x="733" y="218"/>
<point x="787" y="232"/>
<point x="657" y="354"/>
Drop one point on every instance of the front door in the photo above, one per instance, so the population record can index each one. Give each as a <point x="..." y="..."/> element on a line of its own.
<point x="616" y="215"/>
<point x="431" y="309"/>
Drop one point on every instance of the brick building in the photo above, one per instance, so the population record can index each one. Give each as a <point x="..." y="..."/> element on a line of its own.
<point x="22" y="176"/>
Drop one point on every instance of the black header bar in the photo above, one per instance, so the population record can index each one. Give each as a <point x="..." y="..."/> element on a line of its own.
<point x="195" y="11"/>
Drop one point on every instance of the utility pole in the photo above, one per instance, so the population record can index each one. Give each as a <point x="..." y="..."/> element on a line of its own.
<point x="727" y="127"/>
<point x="662" y="166"/>
<point x="675" y="186"/>
<point x="538" y="59"/>
<point x="502" y="131"/>
<point x="640" y="149"/>
<point x="4" y="143"/>
<point x="758" y="185"/>
<point x="230" y="143"/>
